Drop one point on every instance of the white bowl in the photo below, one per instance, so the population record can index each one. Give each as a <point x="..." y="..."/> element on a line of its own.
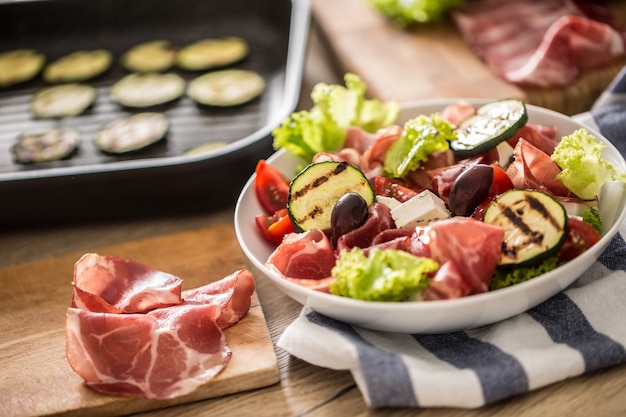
<point x="430" y="316"/>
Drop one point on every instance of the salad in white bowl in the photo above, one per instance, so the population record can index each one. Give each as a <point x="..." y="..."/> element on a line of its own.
<point x="437" y="216"/>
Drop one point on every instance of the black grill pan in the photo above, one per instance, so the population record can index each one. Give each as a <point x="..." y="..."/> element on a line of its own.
<point x="93" y="185"/>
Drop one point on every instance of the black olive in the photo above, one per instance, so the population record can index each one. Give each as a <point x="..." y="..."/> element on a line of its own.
<point x="469" y="189"/>
<point x="350" y="212"/>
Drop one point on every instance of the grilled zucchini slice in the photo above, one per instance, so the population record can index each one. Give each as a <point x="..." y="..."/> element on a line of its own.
<point x="46" y="146"/>
<point x="226" y="88"/>
<point x="78" y="66"/>
<point x="492" y="124"/>
<point x="19" y="66"/>
<point x="314" y="192"/>
<point x="212" y="53"/>
<point x="66" y="100"/>
<point x="151" y="56"/>
<point x="132" y="133"/>
<point x="141" y="90"/>
<point x="535" y="226"/>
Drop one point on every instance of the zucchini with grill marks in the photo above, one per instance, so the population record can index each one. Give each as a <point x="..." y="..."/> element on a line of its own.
<point x="19" y="66"/>
<point x="212" y="53"/>
<point x="151" y="56"/>
<point x="78" y="66"/>
<point x="65" y="100"/>
<point x="132" y="133"/>
<point x="535" y="226"/>
<point x="314" y="192"/>
<point x="226" y="88"/>
<point x="142" y="90"/>
<point x="46" y="146"/>
<point x="492" y="124"/>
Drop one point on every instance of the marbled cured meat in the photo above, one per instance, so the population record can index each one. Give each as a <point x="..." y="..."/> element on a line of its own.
<point x="542" y="43"/>
<point x="307" y="255"/>
<point x="117" y="285"/>
<point x="167" y="344"/>
<point x="160" y="355"/>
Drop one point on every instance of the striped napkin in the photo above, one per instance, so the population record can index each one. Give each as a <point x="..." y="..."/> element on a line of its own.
<point x="580" y="330"/>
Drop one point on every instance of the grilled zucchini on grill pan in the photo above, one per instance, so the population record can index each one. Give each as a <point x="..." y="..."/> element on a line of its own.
<point x="51" y="145"/>
<point x="143" y="90"/>
<point x="64" y="100"/>
<point x="535" y="226"/>
<point x="314" y="192"/>
<point x="78" y="66"/>
<point x="132" y="133"/>
<point x="151" y="56"/>
<point x="212" y="53"/>
<point x="493" y="123"/>
<point x="19" y="66"/>
<point x="225" y="88"/>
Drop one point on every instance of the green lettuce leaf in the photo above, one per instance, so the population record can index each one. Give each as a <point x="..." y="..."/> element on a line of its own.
<point x="411" y="12"/>
<point x="421" y="136"/>
<point x="335" y="109"/>
<point x="382" y="275"/>
<point x="505" y="277"/>
<point x="584" y="170"/>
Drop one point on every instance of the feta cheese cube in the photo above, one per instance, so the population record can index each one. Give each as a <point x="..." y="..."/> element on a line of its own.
<point x="420" y="210"/>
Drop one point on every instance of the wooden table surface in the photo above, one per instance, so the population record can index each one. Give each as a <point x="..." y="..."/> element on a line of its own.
<point x="304" y="389"/>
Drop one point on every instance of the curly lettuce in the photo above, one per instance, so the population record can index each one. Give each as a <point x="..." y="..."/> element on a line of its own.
<point x="505" y="277"/>
<point x="335" y="109"/>
<point x="584" y="170"/>
<point x="407" y="13"/>
<point x="380" y="275"/>
<point x="421" y="136"/>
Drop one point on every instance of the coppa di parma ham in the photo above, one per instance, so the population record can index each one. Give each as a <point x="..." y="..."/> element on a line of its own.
<point x="131" y="331"/>
<point x="544" y="43"/>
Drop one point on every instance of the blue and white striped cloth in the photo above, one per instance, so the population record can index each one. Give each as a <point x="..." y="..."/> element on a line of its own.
<point x="580" y="330"/>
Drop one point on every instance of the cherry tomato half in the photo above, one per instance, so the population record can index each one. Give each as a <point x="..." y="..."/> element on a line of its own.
<point x="580" y="238"/>
<point x="392" y="188"/>
<point x="274" y="227"/>
<point x="271" y="187"/>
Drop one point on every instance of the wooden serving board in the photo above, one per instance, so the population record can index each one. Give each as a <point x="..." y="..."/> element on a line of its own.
<point x="35" y="377"/>
<point x="434" y="61"/>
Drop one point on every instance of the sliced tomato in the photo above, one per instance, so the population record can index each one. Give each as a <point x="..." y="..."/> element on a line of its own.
<point x="388" y="187"/>
<point x="271" y="187"/>
<point x="276" y="226"/>
<point x="501" y="183"/>
<point x="580" y="238"/>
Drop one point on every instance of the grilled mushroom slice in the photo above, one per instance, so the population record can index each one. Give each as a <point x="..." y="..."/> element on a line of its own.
<point x="19" y="66"/>
<point x="132" y="133"/>
<point x="78" y="66"/>
<point x="151" y="56"/>
<point x="212" y="53"/>
<point x="64" y="100"/>
<point x="226" y="87"/>
<point x="46" y="146"/>
<point x="143" y="90"/>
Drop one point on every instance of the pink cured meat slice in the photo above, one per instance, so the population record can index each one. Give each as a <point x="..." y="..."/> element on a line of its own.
<point x="232" y="293"/>
<point x="307" y="255"/>
<point x="473" y="247"/>
<point x="163" y="354"/>
<point x="541" y="42"/>
<point x="115" y="285"/>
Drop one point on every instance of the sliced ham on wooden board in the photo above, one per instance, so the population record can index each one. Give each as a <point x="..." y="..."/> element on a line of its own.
<point x="430" y="62"/>
<point x="36" y="376"/>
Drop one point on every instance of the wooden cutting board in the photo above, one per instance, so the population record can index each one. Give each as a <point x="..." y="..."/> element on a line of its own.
<point x="434" y="61"/>
<point x="35" y="377"/>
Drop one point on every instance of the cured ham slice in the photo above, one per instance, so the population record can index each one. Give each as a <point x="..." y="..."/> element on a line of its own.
<point x="533" y="169"/>
<point x="307" y="255"/>
<point x="542" y="43"/>
<point x="159" y="355"/>
<point x="168" y="345"/>
<point x="471" y="245"/>
<point x="116" y="285"/>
